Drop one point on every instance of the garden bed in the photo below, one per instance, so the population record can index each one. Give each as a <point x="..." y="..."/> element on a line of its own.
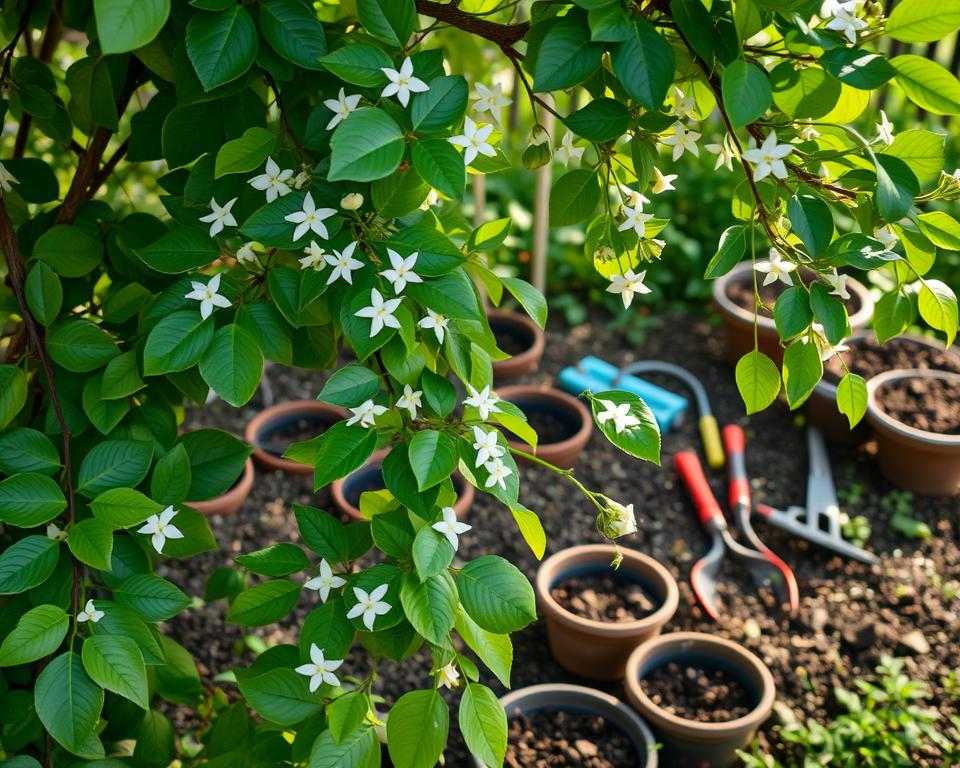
<point x="849" y="614"/>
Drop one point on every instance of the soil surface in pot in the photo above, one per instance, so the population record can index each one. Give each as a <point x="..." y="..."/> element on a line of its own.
<point x="867" y="359"/>
<point x="932" y="405"/>
<point x="545" y="738"/>
<point x="697" y="693"/>
<point x="602" y="598"/>
<point x="276" y="437"/>
<point x="740" y="293"/>
<point x="511" y="339"/>
<point x="552" y="425"/>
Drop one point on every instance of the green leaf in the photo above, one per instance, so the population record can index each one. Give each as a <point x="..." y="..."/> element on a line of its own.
<point x="730" y="250"/>
<point x="417" y="729"/>
<point x="294" y="31"/>
<point x="150" y="597"/>
<point x="443" y="105"/>
<point x="281" y="696"/>
<point x="25" y="450"/>
<point x="792" y="313"/>
<point x="328" y="627"/>
<point x="91" y="542"/>
<point x="430" y="605"/>
<point x="68" y="704"/>
<point x="346" y="713"/>
<point x="197" y="536"/>
<point x="399" y="194"/>
<point x="494" y="650"/>
<point x="451" y="294"/>
<point x="390" y="526"/>
<point x="574" y="197"/>
<point x="758" y="381"/>
<point x="830" y="313"/>
<point x="852" y="398"/>
<point x="496" y="595"/>
<point x="13" y="393"/>
<point x="80" y="346"/>
<point x="125" y="26"/>
<point x="264" y="603"/>
<point x="802" y="369"/>
<point x="432" y="553"/>
<point x="896" y="187"/>
<point x="248" y="152"/>
<point x="216" y="460"/>
<point x="532" y="301"/>
<point x="114" y="464"/>
<point x="233" y="364"/>
<point x="892" y="315"/>
<point x="388" y="20"/>
<point x="281" y="559"/>
<point x="928" y="84"/>
<point x="531" y="529"/>
<point x="221" y="46"/>
<point x="746" y="91"/>
<point x="566" y="56"/>
<point x="857" y="68"/>
<point x="941" y="229"/>
<point x="172" y="477"/>
<point x="350" y="386"/>
<point x="341" y="450"/>
<point x="641" y="440"/>
<point x="938" y="307"/>
<point x="812" y="222"/>
<point x="368" y="145"/>
<point x="644" y="64"/>
<point x="27" y="563"/>
<point x="70" y="251"/>
<point x="440" y="165"/>
<point x="359" y="64"/>
<point x="917" y="21"/>
<point x="44" y="294"/>
<point x="483" y="724"/>
<point x="122" y="621"/>
<point x="601" y="120"/>
<point x="180" y="250"/>
<point x="433" y="457"/>
<point x="360" y="748"/>
<point x="115" y="663"/>
<point x="38" y="633"/>
<point x="155" y="741"/>
<point x="922" y="151"/>
<point x="30" y="499"/>
<point x="177" y="343"/>
<point x="808" y="92"/>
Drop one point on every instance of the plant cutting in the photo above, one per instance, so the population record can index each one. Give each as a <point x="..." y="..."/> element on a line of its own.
<point x="518" y="336"/>
<point x="561" y="422"/>
<point x="915" y="415"/>
<point x="704" y="696"/>
<point x="596" y="615"/>
<point x="272" y="431"/>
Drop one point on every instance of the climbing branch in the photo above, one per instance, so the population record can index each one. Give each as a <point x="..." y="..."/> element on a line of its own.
<point x="501" y="34"/>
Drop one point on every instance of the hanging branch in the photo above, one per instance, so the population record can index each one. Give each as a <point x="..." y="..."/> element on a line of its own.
<point x="501" y="34"/>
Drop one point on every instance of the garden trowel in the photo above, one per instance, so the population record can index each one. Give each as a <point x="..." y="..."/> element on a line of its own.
<point x="819" y="522"/>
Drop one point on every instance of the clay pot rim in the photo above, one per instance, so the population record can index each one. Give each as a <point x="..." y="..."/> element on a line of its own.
<point x="880" y="418"/>
<point x="236" y="494"/>
<point x="561" y="694"/>
<point x="532" y="353"/>
<point x="267" y="415"/>
<point x="554" y="566"/>
<point x="557" y="397"/>
<point x="857" y="320"/>
<point x="660" y="718"/>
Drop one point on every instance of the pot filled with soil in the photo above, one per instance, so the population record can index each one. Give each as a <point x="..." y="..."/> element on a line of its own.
<point x="704" y="696"/>
<point x="867" y="357"/>
<point x="230" y="502"/>
<point x="733" y="294"/>
<point x="915" y="415"/>
<point x="562" y="422"/>
<point x="272" y="431"/>
<point x="596" y="615"/>
<point x="518" y="336"/>
<point x="347" y="490"/>
<point x="569" y="725"/>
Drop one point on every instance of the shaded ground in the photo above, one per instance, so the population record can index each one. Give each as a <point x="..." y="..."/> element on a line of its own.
<point x="850" y="613"/>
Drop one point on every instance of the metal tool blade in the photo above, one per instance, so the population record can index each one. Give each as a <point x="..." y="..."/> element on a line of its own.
<point x="790" y="521"/>
<point x="703" y="576"/>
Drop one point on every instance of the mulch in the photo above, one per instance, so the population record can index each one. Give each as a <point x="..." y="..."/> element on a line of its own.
<point x="850" y="614"/>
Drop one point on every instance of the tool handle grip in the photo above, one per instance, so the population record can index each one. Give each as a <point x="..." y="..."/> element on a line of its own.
<point x="734" y="441"/>
<point x="710" y="435"/>
<point x="691" y="475"/>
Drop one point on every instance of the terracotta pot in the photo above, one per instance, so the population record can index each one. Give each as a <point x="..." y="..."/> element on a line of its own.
<point x="913" y="459"/>
<point x="265" y="424"/>
<point x="688" y="742"/>
<point x="526" y="332"/>
<point x="231" y="501"/>
<point x="739" y="321"/>
<point x="531" y="399"/>
<point x="580" y="700"/>
<point x="343" y="490"/>
<point x="599" y="650"/>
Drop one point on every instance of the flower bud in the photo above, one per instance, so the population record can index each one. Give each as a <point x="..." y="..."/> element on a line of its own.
<point x="301" y="180"/>
<point x="351" y="201"/>
<point x="616" y="520"/>
<point x="537" y="154"/>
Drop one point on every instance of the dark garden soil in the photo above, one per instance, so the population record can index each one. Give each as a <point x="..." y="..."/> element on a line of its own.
<point x="602" y="598"/>
<point x="850" y="614"/>
<point x="511" y="340"/>
<point x="932" y="405"/>
<point x="694" y="693"/>
<point x="551" y="426"/>
<point x="741" y="293"/>
<point x="867" y="359"/>
<point x="277" y="439"/>
<point x="546" y="739"/>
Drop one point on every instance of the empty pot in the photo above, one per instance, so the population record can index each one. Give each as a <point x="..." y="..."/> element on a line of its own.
<point x="524" y="340"/>
<point x="265" y="429"/>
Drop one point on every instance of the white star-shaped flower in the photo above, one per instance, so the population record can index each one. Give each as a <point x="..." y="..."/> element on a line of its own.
<point x="474" y="141"/>
<point x="220" y="217"/>
<point x="768" y="157"/>
<point x="401" y="271"/>
<point x="486" y="445"/>
<point x="90" y="613"/>
<point x="846" y="21"/>
<point x="491" y="101"/>
<point x="402" y="82"/>
<point x="499" y="472"/>
<point x="316" y="258"/>
<point x="625" y="521"/>
<point x="627" y="285"/>
<point x="632" y="197"/>
<point x="310" y="218"/>
<point x="682" y="141"/>
<point x="724" y="152"/>
<point x="620" y="414"/>
<point x="885" y="129"/>
<point x="886" y="236"/>
<point x="838" y="285"/>
<point x="324" y="581"/>
<point x="343" y="263"/>
<point x="320" y="670"/>
<point x="662" y="182"/>
<point x="436" y="321"/>
<point x="636" y="220"/>
<point x="683" y="106"/>
<point x="7" y="179"/>
<point x="567" y="153"/>
<point x="380" y="312"/>
<point x="246" y="254"/>
<point x="369" y="605"/>
<point x="485" y="401"/>
<point x="450" y="527"/>
<point x="410" y="400"/>
<point x="273" y="181"/>
<point x="448" y="677"/>
<point x="366" y="414"/>
<point x="208" y="296"/>
<point x="159" y="528"/>
<point x="775" y="268"/>
<point x="341" y="107"/>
